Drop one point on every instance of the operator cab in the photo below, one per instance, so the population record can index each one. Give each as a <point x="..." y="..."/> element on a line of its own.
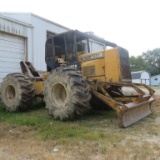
<point x="63" y="49"/>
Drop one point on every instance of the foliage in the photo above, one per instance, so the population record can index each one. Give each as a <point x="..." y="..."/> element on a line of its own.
<point x="137" y="63"/>
<point x="149" y="61"/>
<point x="152" y="59"/>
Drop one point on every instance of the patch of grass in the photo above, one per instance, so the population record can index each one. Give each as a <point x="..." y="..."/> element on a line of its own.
<point x="92" y="136"/>
<point x="103" y="149"/>
<point x="89" y="127"/>
<point x="94" y="133"/>
<point x="25" y="118"/>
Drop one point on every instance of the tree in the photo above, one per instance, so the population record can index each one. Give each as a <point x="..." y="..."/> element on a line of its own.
<point x="149" y="61"/>
<point x="137" y="63"/>
<point x="152" y="60"/>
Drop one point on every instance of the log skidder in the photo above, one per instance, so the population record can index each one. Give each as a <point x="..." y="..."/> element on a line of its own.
<point x="69" y="57"/>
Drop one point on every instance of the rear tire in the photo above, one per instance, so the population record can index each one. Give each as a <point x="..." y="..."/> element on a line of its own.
<point x="66" y="93"/>
<point x="17" y="92"/>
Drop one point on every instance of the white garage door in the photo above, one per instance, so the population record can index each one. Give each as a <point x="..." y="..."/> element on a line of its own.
<point x="12" y="51"/>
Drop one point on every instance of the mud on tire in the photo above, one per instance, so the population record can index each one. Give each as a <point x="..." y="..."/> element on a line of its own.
<point x="17" y="92"/>
<point x="66" y="93"/>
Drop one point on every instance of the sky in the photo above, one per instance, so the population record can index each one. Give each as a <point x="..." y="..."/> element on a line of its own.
<point x="132" y="24"/>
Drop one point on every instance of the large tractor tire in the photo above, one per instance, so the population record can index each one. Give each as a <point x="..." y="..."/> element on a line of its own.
<point x="66" y="93"/>
<point x="17" y="92"/>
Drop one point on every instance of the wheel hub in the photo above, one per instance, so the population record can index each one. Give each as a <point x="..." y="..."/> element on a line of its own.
<point x="10" y="93"/>
<point x="59" y="94"/>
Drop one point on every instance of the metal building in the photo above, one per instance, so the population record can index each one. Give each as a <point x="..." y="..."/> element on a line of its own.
<point x="141" y="77"/>
<point x="155" y="80"/>
<point x="23" y="37"/>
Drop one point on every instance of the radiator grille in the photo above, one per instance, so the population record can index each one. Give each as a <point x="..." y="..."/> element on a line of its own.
<point x="89" y="70"/>
<point x="125" y="66"/>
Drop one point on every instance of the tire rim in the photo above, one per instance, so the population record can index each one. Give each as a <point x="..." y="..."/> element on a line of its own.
<point x="59" y="94"/>
<point x="10" y="93"/>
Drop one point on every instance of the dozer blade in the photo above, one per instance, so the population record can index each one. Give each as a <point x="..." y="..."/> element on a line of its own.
<point x="134" y="112"/>
<point x="128" y="113"/>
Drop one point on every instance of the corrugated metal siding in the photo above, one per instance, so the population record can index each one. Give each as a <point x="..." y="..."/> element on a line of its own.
<point x="13" y="44"/>
<point x="12" y="51"/>
<point x="12" y="27"/>
<point x="37" y="37"/>
<point x="19" y="28"/>
<point x="24" y="17"/>
<point x="40" y="32"/>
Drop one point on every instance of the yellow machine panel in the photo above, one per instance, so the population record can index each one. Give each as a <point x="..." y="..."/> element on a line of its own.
<point x="112" y="65"/>
<point x="93" y="68"/>
<point x="38" y="86"/>
<point x="106" y="68"/>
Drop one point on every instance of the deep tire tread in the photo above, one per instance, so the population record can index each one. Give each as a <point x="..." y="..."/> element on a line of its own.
<point x="25" y="91"/>
<point x="80" y="94"/>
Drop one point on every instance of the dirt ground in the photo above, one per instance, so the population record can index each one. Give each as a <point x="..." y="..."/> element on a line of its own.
<point x="19" y="143"/>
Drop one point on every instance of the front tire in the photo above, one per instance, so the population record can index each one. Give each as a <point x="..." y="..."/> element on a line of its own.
<point x="66" y="93"/>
